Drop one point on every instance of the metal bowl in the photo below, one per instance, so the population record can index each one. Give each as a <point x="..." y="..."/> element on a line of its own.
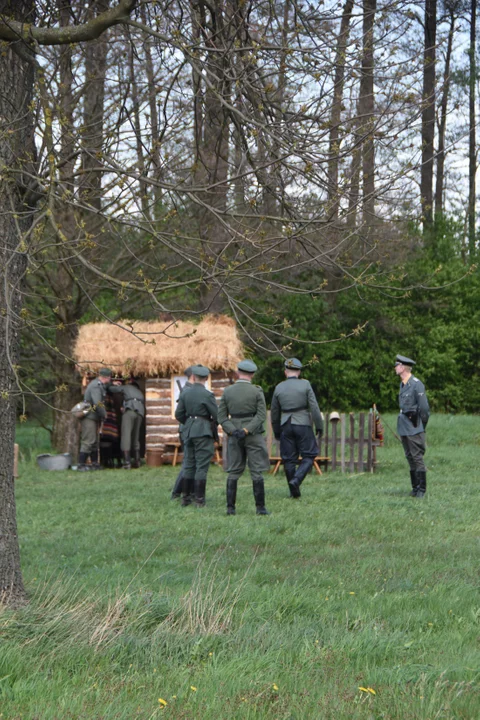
<point x="54" y="462"/>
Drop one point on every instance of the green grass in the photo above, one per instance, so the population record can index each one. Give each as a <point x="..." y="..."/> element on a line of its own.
<point x="133" y="598"/>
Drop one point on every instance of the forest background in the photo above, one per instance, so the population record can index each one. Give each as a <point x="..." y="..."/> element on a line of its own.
<point x="306" y="167"/>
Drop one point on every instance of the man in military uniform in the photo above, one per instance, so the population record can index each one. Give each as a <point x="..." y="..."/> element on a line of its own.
<point x="242" y="414"/>
<point x="177" y="488"/>
<point x="412" y="422"/>
<point x="90" y="424"/>
<point x="132" y="417"/>
<point x="197" y="411"/>
<point x="294" y="407"/>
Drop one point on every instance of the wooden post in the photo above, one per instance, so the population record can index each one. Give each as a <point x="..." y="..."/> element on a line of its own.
<point x="15" y="461"/>
<point x="342" y="441"/>
<point x="334" y="445"/>
<point x="352" y="442"/>
<point x="325" y="438"/>
<point x="370" y="443"/>
<point x="361" y="440"/>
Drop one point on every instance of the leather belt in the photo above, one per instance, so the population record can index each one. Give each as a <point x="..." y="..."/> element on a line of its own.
<point x="292" y="410"/>
<point x="241" y="417"/>
<point x="195" y="417"/>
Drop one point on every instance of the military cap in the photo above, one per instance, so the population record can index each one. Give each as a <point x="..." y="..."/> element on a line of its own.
<point x="105" y="372"/>
<point x="293" y="364"/>
<point x="247" y="366"/>
<point x="402" y="360"/>
<point x="188" y="371"/>
<point x="200" y="371"/>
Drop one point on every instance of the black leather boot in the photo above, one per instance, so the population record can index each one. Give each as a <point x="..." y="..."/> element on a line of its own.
<point x="82" y="462"/>
<point x="259" y="495"/>
<point x="422" y="483"/>
<point x="177" y="488"/>
<point x="127" y="464"/>
<point x="200" y="486"/>
<point x="136" y="459"/>
<point x="231" y="496"/>
<point x="187" y="491"/>
<point x="289" y="474"/>
<point x="414" y="479"/>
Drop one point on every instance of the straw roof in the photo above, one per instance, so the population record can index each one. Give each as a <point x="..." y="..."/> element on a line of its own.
<point x="153" y="349"/>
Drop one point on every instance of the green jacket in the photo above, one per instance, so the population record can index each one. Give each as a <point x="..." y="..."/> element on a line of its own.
<point x="133" y="398"/>
<point x="187" y="386"/>
<point x="414" y="409"/>
<point x="196" y="409"/>
<point x="246" y="401"/>
<point x="95" y="395"/>
<point x="294" y="398"/>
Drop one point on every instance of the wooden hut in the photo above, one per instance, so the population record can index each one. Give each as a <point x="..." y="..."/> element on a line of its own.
<point x="158" y="353"/>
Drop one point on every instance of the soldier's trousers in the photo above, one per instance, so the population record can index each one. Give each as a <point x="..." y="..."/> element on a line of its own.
<point x="297" y="441"/>
<point x="252" y="450"/>
<point x="414" y="448"/>
<point x="89" y="437"/>
<point x="131" y="424"/>
<point x="198" y="455"/>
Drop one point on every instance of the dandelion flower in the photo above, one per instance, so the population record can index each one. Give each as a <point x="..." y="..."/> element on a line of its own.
<point x="371" y="691"/>
<point x="162" y="702"/>
<point x="351" y="593"/>
<point x="275" y="686"/>
<point x="363" y="689"/>
<point x="192" y="687"/>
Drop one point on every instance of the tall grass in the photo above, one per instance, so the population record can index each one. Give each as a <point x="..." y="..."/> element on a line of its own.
<point x="135" y="599"/>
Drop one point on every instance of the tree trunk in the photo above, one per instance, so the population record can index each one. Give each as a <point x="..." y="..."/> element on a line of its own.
<point x="336" y="112"/>
<point x="155" y="128"/>
<point x="472" y="150"/>
<point x="213" y="151"/>
<point x="16" y="150"/>
<point x="440" y="178"/>
<point x="428" y="114"/>
<point x="367" y="114"/>
<point x="62" y="282"/>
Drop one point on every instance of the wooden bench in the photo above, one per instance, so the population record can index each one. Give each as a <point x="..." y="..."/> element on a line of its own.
<point x="276" y="460"/>
<point x="176" y="447"/>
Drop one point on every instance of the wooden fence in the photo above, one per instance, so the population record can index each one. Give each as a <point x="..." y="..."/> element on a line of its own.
<point x="349" y="443"/>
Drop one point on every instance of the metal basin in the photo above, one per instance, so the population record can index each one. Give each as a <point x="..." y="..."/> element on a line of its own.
<point x="54" y="462"/>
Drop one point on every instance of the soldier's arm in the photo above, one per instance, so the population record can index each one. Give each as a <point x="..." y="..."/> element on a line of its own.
<point x="275" y="416"/>
<point x="256" y="423"/>
<point x="98" y="402"/>
<point x="180" y="411"/>
<point x="212" y="407"/>
<point x="115" y="388"/>
<point x="223" y="418"/>
<point x="315" y="410"/>
<point x="422" y="403"/>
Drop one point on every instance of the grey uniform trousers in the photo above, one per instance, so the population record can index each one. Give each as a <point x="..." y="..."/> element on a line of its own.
<point x="414" y="448"/>
<point x="252" y="450"/>
<point x="89" y="436"/>
<point x="131" y="424"/>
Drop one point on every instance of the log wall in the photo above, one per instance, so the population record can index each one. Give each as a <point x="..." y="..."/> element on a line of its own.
<point x="161" y="427"/>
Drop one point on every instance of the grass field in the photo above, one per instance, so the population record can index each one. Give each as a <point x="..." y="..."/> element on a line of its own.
<point x="355" y="602"/>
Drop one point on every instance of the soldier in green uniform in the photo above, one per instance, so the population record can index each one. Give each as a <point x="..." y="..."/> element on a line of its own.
<point x="412" y="422"/>
<point x="294" y="407"/>
<point x="242" y="414"/>
<point x="132" y="417"/>
<point x="197" y="411"/>
<point x="177" y="488"/>
<point x="90" y="424"/>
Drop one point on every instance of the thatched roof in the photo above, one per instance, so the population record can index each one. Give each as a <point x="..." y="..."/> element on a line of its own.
<point x="152" y="349"/>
